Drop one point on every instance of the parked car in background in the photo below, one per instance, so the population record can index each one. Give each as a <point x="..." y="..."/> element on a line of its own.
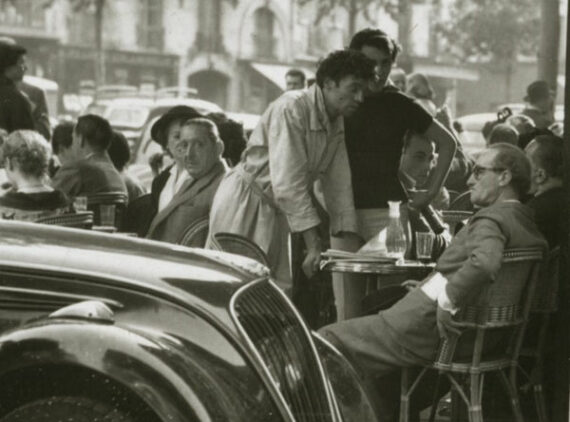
<point x="102" y="327"/>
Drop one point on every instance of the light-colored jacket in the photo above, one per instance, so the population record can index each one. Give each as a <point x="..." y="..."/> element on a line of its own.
<point x="268" y="193"/>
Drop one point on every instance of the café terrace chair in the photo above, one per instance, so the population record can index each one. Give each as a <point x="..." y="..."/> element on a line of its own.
<point x="544" y="304"/>
<point x="462" y="202"/>
<point x="97" y="200"/>
<point x="240" y="245"/>
<point x="499" y="316"/>
<point x="455" y="219"/>
<point x="196" y="233"/>
<point x="79" y="220"/>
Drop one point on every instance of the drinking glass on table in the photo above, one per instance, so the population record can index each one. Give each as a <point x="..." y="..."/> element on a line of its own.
<point x="107" y="213"/>
<point x="80" y="203"/>
<point x="424" y="245"/>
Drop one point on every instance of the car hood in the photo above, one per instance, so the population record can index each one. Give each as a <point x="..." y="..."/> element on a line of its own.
<point x="187" y="275"/>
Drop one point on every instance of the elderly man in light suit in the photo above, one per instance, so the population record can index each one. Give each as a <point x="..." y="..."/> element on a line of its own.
<point x="408" y="334"/>
<point x="200" y="139"/>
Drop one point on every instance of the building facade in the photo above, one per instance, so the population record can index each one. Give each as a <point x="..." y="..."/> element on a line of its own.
<point x="234" y="52"/>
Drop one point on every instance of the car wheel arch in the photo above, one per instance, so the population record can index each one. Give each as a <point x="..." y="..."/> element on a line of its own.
<point x="28" y="352"/>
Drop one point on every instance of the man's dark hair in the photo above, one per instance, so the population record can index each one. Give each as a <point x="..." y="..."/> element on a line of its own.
<point x="233" y="136"/>
<point x="95" y="130"/>
<point x="62" y="137"/>
<point x="296" y="73"/>
<point x="9" y="55"/>
<point x="376" y="38"/>
<point x="547" y="151"/>
<point x="119" y="151"/>
<point x="342" y="63"/>
<point x="512" y="158"/>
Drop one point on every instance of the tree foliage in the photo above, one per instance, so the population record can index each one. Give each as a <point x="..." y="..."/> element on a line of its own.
<point x="495" y="29"/>
<point x="324" y="7"/>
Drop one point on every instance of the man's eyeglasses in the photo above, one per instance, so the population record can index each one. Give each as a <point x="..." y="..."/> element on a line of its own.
<point x="479" y="170"/>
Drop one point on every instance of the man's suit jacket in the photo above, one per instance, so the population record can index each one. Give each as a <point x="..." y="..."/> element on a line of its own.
<point x="37" y="98"/>
<point x="192" y="202"/>
<point x="94" y="174"/>
<point x="15" y="108"/>
<point x="470" y="263"/>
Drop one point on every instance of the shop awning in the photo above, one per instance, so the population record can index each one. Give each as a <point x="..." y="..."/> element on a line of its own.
<point x="276" y="72"/>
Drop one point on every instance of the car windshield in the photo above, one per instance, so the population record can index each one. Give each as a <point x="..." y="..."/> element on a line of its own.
<point x="128" y="116"/>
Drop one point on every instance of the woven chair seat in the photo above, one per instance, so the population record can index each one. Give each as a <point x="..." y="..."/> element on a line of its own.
<point x="80" y="220"/>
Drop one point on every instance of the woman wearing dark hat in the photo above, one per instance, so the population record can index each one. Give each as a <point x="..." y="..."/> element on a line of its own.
<point x="15" y="109"/>
<point x="166" y="132"/>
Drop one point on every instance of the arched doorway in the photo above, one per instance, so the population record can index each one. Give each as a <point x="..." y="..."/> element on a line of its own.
<point x="211" y="86"/>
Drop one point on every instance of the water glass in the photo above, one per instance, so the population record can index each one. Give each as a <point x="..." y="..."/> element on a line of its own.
<point x="80" y="203"/>
<point x="424" y="245"/>
<point x="107" y="215"/>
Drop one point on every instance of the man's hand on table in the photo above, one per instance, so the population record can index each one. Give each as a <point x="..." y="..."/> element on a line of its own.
<point x="311" y="262"/>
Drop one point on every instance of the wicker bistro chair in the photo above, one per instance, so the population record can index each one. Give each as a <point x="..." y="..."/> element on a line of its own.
<point x="118" y="199"/>
<point x="196" y="233"/>
<point x="462" y="202"/>
<point x="544" y="304"/>
<point x="455" y="219"/>
<point x="490" y="341"/>
<point x="240" y="245"/>
<point x="79" y="220"/>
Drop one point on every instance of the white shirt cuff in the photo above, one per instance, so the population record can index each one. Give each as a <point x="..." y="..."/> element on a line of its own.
<point x="434" y="288"/>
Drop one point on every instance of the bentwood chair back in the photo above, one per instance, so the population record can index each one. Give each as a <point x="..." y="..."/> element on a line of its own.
<point x="492" y="330"/>
<point x="240" y="245"/>
<point x="80" y="220"/>
<point x="119" y="200"/>
<point x="196" y="233"/>
<point x="544" y="305"/>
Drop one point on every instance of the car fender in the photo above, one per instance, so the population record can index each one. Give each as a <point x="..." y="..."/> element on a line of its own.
<point x="353" y="401"/>
<point x="137" y="362"/>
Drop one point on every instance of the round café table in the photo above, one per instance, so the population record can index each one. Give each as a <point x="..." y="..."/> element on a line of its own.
<point x="383" y="278"/>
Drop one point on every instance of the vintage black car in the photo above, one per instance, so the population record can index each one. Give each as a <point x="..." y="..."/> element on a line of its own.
<point x="109" y="328"/>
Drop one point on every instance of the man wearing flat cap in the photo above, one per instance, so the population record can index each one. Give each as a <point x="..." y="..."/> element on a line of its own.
<point x="15" y="109"/>
<point x="540" y="104"/>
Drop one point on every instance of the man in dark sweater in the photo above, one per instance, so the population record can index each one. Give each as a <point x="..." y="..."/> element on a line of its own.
<point x="15" y="109"/>
<point x="374" y="137"/>
<point x="92" y="170"/>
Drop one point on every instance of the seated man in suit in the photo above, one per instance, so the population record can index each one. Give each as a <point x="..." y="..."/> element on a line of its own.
<point x="546" y="156"/>
<point x="408" y="333"/>
<point x="200" y="139"/>
<point x="90" y="171"/>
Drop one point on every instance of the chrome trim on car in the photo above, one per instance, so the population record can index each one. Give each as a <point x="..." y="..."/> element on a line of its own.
<point x="274" y="387"/>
